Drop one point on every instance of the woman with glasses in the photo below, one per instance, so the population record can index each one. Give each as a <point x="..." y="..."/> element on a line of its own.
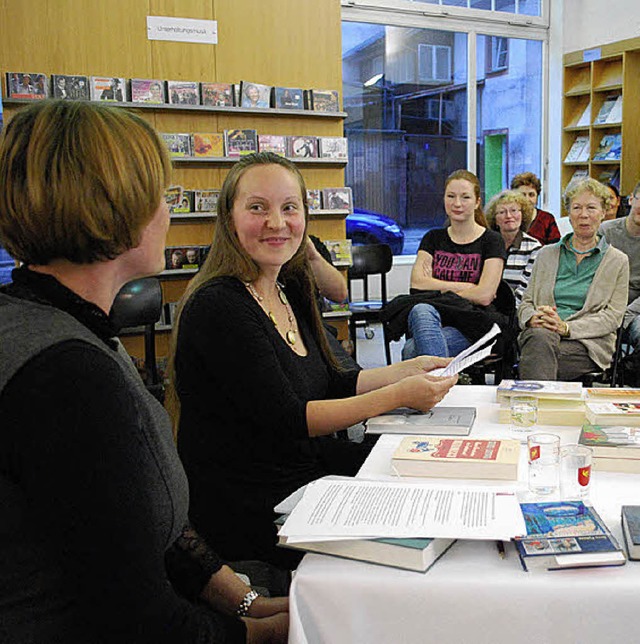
<point x="510" y="214"/>
<point x="576" y="297"/>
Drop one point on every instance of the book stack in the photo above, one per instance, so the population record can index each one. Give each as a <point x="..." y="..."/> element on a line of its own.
<point x="455" y="457"/>
<point x="616" y="448"/>
<point x="613" y="413"/>
<point x="559" y="402"/>
<point x="566" y="534"/>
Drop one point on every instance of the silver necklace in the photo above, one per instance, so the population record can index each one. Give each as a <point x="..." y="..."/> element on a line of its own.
<point x="290" y="335"/>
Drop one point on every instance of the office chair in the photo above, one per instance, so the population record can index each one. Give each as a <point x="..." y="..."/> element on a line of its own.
<point x="368" y="261"/>
<point x="139" y="303"/>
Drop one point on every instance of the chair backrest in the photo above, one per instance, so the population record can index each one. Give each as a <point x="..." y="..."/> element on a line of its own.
<point x="505" y="301"/>
<point x="368" y="260"/>
<point x="139" y="303"/>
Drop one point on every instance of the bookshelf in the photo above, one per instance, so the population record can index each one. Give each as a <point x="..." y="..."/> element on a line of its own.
<point x="600" y="101"/>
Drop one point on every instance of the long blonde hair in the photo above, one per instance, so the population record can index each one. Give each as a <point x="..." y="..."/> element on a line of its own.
<point x="227" y="257"/>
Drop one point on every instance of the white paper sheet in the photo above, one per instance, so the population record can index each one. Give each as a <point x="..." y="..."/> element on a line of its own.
<point x="470" y="355"/>
<point x="352" y="508"/>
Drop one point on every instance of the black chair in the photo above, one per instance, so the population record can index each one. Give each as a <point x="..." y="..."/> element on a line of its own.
<point x="502" y="362"/>
<point x="139" y="303"/>
<point x="614" y="374"/>
<point x="369" y="261"/>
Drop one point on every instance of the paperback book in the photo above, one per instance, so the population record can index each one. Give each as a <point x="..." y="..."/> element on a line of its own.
<point x="206" y="200"/>
<point x="182" y="257"/>
<point x="333" y="147"/>
<point x="145" y="90"/>
<point x="613" y="413"/>
<point x="179" y="144"/>
<point x="579" y="151"/>
<point x="410" y="554"/>
<point x="566" y="534"/>
<point x="585" y="117"/>
<point x="288" y="98"/>
<point x="608" y="111"/>
<point x="73" y="88"/>
<point x="254" y="94"/>
<point x="616" y="448"/>
<point x="31" y="86"/>
<point x="177" y="199"/>
<point x="551" y="411"/>
<point x="630" y="515"/>
<point x="324" y="100"/>
<point x="183" y="92"/>
<point x="454" y="457"/>
<point x="314" y="199"/>
<point x="240" y="142"/>
<point x="302" y="147"/>
<point x="207" y="144"/>
<point x="609" y="148"/>
<point x="337" y="199"/>
<point x="540" y="389"/>
<point x="612" y="394"/>
<point x="276" y="143"/>
<point x="107" y="88"/>
<point x="340" y="251"/>
<point x="216" y="94"/>
<point x="451" y="421"/>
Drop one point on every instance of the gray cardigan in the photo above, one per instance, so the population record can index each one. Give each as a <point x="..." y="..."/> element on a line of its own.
<point x="594" y="325"/>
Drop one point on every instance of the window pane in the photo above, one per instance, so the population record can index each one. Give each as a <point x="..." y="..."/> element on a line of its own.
<point x="407" y="129"/>
<point x="506" y="5"/>
<point x="509" y="113"/>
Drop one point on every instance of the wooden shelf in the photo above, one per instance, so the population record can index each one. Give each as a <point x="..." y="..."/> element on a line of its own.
<point x="270" y="111"/>
<point x="191" y="216"/>
<point x="232" y="160"/>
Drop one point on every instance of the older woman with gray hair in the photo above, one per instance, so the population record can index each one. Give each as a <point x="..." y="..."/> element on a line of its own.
<point x="510" y="213"/>
<point x="577" y="295"/>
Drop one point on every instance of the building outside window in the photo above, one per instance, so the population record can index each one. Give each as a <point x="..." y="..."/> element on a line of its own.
<point x="409" y="124"/>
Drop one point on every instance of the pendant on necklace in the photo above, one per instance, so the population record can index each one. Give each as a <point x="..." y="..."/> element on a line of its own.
<point x="283" y="297"/>
<point x="272" y="317"/>
<point x="291" y="337"/>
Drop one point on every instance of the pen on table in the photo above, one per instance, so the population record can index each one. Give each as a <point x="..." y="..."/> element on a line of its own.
<point x="501" y="551"/>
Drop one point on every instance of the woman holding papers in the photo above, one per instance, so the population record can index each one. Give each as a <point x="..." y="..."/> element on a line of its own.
<point x="576" y="297"/>
<point x="95" y="544"/>
<point x="463" y="262"/>
<point x="256" y="413"/>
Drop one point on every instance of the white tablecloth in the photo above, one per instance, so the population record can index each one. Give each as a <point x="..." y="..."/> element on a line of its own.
<point x="471" y="594"/>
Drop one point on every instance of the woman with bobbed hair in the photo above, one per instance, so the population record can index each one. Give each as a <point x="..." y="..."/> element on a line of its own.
<point x="543" y="224"/>
<point x="510" y="212"/>
<point x="95" y="543"/>
<point x="576" y="296"/>
<point x="257" y="414"/>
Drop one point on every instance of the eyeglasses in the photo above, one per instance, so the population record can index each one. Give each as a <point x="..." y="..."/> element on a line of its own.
<point x="511" y="211"/>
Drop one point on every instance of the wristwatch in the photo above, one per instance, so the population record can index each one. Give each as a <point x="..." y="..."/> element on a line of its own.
<point x="246" y="602"/>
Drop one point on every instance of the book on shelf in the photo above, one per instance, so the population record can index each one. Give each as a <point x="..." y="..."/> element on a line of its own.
<point x="630" y="517"/>
<point x="302" y="147"/>
<point x="145" y="90"/>
<point x="323" y="100"/>
<point x="287" y="98"/>
<point x="579" y="174"/>
<point x="623" y="412"/>
<point x="239" y="143"/>
<point x="616" y="448"/>
<point x="609" y="148"/>
<point x="340" y="251"/>
<point x="314" y="199"/>
<point x="276" y="143"/>
<point x="27" y="85"/>
<point x="333" y="147"/>
<point x="108" y="88"/>
<point x="207" y="144"/>
<point x="337" y="198"/>
<point x="579" y="150"/>
<point x="183" y="92"/>
<point x="540" y="389"/>
<point x="410" y="554"/>
<point x="566" y="534"/>
<point x="615" y="115"/>
<point x="180" y="201"/>
<point x="216" y="94"/>
<point x="255" y="94"/>
<point x="585" y="117"/>
<point x="70" y="87"/>
<point x="605" y="110"/>
<point x="455" y="457"/>
<point x="551" y="411"/>
<point x="451" y="421"/>
<point x="206" y="200"/>
<point x="611" y="176"/>
<point x="181" y="257"/>
<point x="179" y="144"/>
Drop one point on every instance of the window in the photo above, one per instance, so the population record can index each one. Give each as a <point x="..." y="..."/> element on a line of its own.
<point x="434" y="63"/>
<point x="497" y="54"/>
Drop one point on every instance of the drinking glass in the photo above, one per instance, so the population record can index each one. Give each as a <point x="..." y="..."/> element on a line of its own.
<point x="575" y="467"/>
<point x="524" y="413"/>
<point x="544" y="463"/>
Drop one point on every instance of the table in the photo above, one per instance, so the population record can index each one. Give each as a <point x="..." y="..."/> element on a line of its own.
<point x="471" y="594"/>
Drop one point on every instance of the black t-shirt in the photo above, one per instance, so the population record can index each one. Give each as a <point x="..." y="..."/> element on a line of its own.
<point x="454" y="262"/>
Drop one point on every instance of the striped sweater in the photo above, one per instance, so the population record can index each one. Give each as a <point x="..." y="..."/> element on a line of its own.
<point x="520" y="257"/>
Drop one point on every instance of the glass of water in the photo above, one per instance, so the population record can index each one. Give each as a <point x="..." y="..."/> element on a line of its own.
<point x="524" y="413"/>
<point x="543" y="451"/>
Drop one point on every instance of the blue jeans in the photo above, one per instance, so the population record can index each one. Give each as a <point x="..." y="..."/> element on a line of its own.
<point x="429" y="338"/>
